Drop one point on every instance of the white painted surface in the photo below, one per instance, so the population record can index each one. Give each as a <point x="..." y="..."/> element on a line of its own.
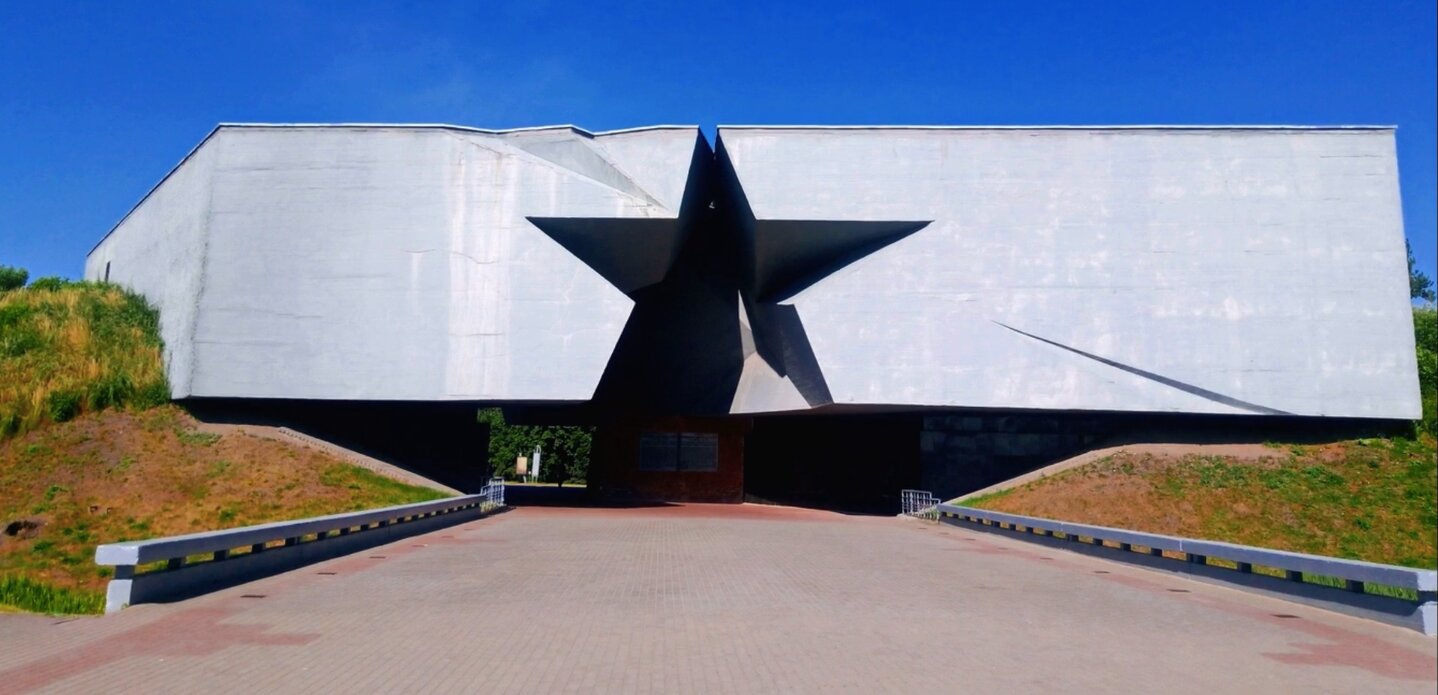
<point x="1266" y="265"/>
<point x="160" y="255"/>
<point x="395" y="262"/>
<point x="388" y="262"/>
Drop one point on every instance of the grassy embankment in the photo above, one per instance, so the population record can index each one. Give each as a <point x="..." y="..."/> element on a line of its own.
<point x="1369" y="499"/>
<point x="89" y="453"/>
<point x="72" y="349"/>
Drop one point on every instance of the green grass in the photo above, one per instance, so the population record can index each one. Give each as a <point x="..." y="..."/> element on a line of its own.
<point x="71" y="348"/>
<point x="380" y="491"/>
<point x="979" y="501"/>
<point x="197" y="438"/>
<point x="1368" y="499"/>
<point x="1377" y="502"/>
<point x="36" y="597"/>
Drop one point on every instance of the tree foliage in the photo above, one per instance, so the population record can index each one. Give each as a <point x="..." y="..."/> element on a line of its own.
<point x="51" y="283"/>
<point x="565" y="450"/>
<point x="12" y="278"/>
<point x="1420" y="286"/>
<point x="1425" y="334"/>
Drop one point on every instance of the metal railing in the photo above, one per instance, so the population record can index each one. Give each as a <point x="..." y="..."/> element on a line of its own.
<point x="495" y="491"/>
<point x="1351" y="576"/>
<point x="919" y="503"/>
<point x="150" y="569"/>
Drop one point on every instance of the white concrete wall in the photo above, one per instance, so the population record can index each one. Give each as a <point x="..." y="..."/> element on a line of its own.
<point x="392" y="262"/>
<point x="160" y="254"/>
<point x="1266" y="265"/>
<point x="1225" y="270"/>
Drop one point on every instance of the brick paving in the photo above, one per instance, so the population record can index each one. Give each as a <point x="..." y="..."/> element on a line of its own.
<point x="723" y="599"/>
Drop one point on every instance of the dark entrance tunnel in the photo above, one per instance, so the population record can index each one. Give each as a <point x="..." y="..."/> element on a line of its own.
<point x="852" y="462"/>
<point x="848" y="463"/>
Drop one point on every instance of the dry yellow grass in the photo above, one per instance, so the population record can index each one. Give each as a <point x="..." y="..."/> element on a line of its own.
<point x="75" y="348"/>
<point x="113" y="476"/>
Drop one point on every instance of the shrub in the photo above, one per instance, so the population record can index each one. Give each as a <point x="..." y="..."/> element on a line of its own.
<point x="154" y="393"/>
<point x="50" y="283"/>
<point x="112" y="389"/>
<point x="12" y="278"/>
<point x="1425" y="335"/>
<point x="62" y="406"/>
<point x="17" y="336"/>
<point x="565" y="448"/>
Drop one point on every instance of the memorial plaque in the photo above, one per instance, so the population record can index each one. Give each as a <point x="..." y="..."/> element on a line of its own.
<point x="699" y="451"/>
<point x="658" y="451"/>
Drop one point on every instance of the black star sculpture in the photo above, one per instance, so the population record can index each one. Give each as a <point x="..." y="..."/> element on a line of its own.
<point x="630" y="252"/>
<point x="765" y="262"/>
<point x="780" y="259"/>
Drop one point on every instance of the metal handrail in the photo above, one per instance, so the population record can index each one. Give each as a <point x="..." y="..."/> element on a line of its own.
<point x="173" y="547"/>
<point x="1245" y="556"/>
<point x="918" y="503"/>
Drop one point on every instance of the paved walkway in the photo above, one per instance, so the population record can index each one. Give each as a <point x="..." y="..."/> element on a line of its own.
<point x="699" y="599"/>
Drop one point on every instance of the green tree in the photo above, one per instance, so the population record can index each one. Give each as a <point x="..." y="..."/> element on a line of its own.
<point x="565" y="449"/>
<point x="1425" y="335"/>
<point x="1420" y="286"/>
<point x="12" y="278"/>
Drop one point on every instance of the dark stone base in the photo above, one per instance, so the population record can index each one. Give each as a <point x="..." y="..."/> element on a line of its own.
<point x="440" y="441"/>
<point x="616" y="477"/>
<point x="964" y="451"/>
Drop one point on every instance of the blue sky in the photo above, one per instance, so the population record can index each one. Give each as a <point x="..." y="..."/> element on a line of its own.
<point x="98" y="101"/>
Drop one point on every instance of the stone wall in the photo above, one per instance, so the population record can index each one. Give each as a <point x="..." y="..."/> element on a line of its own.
<point x="615" y="473"/>
<point x="962" y="453"/>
